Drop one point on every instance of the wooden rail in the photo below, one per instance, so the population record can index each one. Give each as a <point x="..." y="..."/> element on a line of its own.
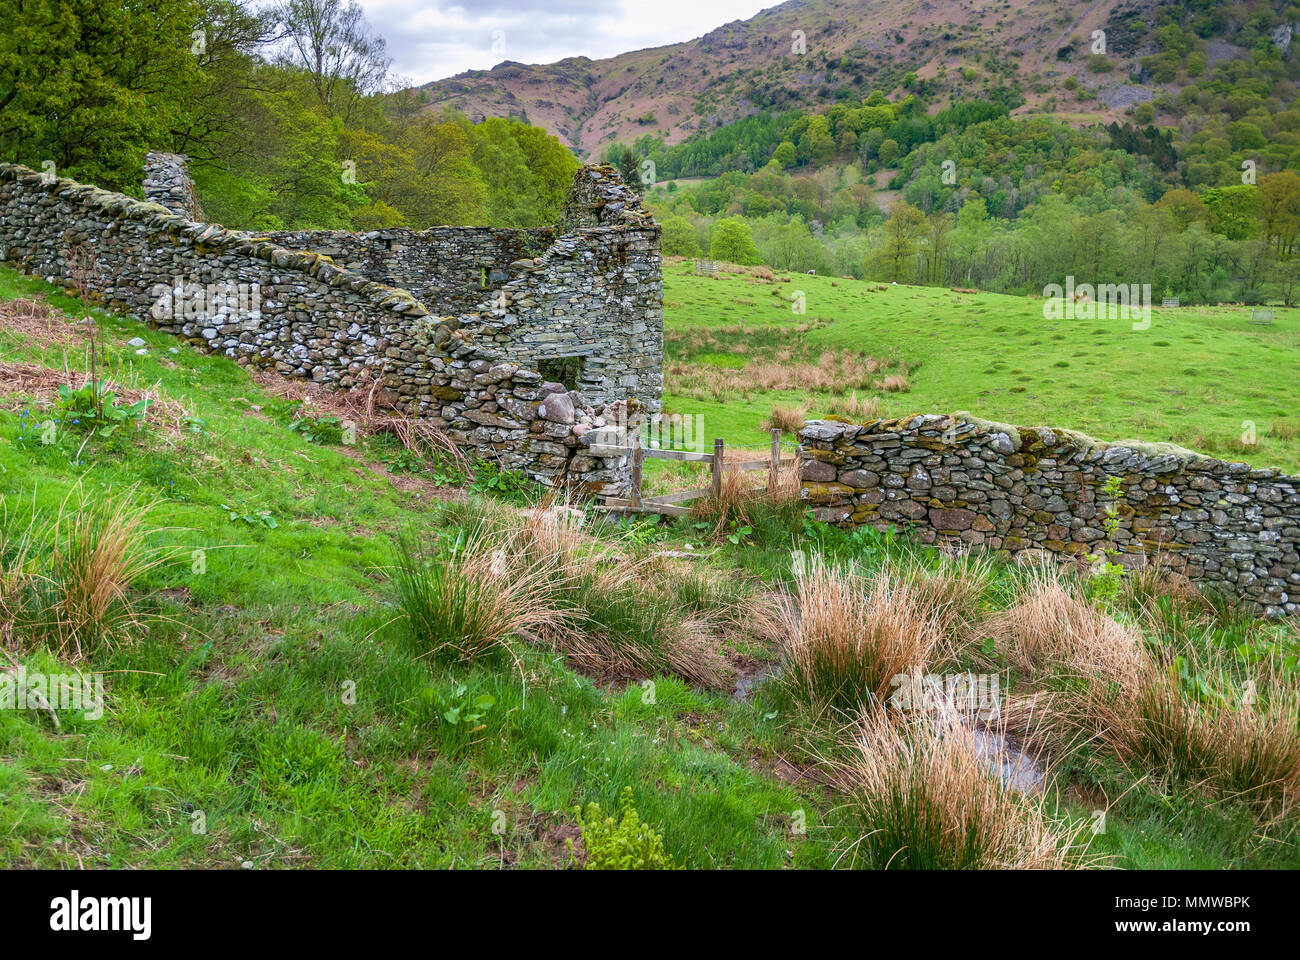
<point x="670" y="504"/>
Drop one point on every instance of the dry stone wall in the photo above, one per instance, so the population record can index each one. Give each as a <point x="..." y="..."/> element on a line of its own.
<point x="167" y="183"/>
<point x="963" y="482"/>
<point x="586" y="295"/>
<point x="303" y="315"/>
<point x="451" y="270"/>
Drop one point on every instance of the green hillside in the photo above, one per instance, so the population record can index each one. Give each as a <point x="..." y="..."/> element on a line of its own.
<point x="268" y="704"/>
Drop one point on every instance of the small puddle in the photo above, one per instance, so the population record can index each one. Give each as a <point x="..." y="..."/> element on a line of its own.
<point x="749" y="677"/>
<point x="1015" y="768"/>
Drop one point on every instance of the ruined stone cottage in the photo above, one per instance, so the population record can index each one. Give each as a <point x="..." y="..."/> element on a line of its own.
<point x="523" y="345"/>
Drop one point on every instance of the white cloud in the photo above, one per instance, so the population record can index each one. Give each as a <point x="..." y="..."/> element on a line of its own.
<point x="433" y="39"/>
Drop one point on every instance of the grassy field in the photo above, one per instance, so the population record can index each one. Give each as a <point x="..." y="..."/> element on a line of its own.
<point x="271" y="704"/>
<point x="1199" y="377"/>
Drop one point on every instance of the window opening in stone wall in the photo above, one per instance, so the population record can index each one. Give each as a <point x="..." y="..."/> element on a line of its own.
<point x="565" y="370"/>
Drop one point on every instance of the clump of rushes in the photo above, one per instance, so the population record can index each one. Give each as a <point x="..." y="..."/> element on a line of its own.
<point x="787" y="419"/>
<point x="70" y="582"/>
<point x="536" y="575"/>
<point x="953" y="588"/>
<point x="468" y="600"/>
<point x="1182" y="717"/>
<point x="848" y="636"/>
<point x="619" y="615"/>
<point x="927" y="800"/>
<point x="1050" y="629"/>
<point x="748" y="507"/>
<point x="1192" y="712"/>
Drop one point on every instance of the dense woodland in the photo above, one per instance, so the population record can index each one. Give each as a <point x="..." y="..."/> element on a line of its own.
<point x="289" y="115"/>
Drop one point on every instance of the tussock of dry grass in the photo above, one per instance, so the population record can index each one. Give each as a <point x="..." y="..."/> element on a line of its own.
<point x="538" y="576"/>
<point x="470" y="603"/>
<point x="1165" y="710"/>
<point x="927" y="800"/>
<point x="100" y="550"/>
<point x="1051" y="628"/>
<point x="69" y="581"/>
<point x="786" y="419"/>
<point x="1285" y="429"/>
<point x="1239" y="745"/>
<point x="744" y="494"/>
<point x="953" y="589"/>
<point x="848" y="636"/>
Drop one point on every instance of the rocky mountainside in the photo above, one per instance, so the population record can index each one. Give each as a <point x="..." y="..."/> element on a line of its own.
<point x="811" y="52"/>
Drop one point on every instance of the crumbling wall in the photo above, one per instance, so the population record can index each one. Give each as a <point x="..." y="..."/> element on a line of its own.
<point x="304" y="316"/>
<point x="963" y="482"/>
<point x="451" y="270"/>
<point x="586" y="295"/>
<point x="167" y="183"/>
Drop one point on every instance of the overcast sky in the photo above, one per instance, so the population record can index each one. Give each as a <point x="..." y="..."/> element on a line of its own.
<point x="433" y="39"/>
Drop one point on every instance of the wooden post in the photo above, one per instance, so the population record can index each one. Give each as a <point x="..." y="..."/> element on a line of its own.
<point x="775" y="473"/>
<point x="718" y="447"/>
<point x="638" y="455"/>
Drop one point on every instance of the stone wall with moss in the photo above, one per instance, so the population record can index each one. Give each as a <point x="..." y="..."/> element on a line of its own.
<point x="964" y="482"/>
<point x="303" y="315"/>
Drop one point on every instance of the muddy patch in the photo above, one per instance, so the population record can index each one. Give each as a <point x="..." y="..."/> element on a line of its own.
<point x="751" y="674"/>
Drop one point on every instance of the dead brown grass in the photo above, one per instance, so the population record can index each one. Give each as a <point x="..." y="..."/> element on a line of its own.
<point x="41" y="384"/>
<point x="833" y="371"/>
<point x="366" y="407"/>
<point x="621" y="617"/>
<point x="953" y="589"/>
<point x="848" y="636"/>
<point x="69" y="582"/>
<point x="787" y="419"/>
<point x="855" y="407"/>
<point x="927" y="799"/>
<point x="1285" y="429"/>
<point x="745" y="494"/>
<point x="1174" y="710"/>
<point x="1237" y="746"/>
<point x="40" y="324"/>
<point x="1050" y="628"/>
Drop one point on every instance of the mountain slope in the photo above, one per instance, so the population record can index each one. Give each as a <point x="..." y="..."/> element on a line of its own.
<point x="966" y="48"/>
